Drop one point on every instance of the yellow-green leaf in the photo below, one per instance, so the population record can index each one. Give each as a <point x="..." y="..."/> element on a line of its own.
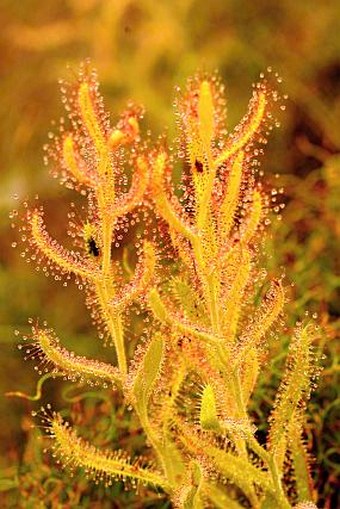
<point x="148" y="373"/>
<point x="208" y="412"/>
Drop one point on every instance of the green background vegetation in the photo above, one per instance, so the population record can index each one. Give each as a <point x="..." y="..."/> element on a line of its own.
<point x="142" y="49"/>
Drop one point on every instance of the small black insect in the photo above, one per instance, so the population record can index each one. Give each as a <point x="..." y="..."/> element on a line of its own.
<point x="92" y="247"/>
<point x="198" y="166"/>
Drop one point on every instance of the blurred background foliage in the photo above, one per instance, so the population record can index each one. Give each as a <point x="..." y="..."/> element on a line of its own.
<point x="141" y="49"/>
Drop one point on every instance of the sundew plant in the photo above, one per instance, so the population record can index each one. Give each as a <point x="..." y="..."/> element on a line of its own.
<point x="194" y="279"/>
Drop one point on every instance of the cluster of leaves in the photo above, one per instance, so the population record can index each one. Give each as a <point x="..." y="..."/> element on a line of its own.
<point x="207" y="306"/>
<point x="133" y="53"/>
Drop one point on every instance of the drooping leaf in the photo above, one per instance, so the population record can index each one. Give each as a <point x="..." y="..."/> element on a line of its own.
<point x="106" y="465"/>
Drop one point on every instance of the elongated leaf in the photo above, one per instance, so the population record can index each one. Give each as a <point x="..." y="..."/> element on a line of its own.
<point x="59" y="361"/>
<point x="234" y="468"/>
<point x="188" y="299"/>
<point x="238" y="470"/>
<point x="219" y="498"/>
<point x="148" y="373"/>
<point x="300" y="459"/>
<point x="295" y="387"/>
<point x="249" y="374"/>
<point x="231" y="198"/>
<point x="105" y="465"/>
<point x="190" y="492"/>
<point x="208" y="412"/>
